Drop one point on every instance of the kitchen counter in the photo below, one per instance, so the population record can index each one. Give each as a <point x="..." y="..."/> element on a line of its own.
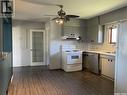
<point x="101" y="52"/>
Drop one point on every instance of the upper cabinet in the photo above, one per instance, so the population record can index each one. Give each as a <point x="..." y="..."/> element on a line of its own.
<point x="75" y="22"/>
<point x="6" y="34"/>
<point x="94" y="31"/>
<point x="92" y="22"/>
<point x="75" y="28"/>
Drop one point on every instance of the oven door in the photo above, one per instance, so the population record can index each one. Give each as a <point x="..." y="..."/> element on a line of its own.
<point x="74" y="58"/>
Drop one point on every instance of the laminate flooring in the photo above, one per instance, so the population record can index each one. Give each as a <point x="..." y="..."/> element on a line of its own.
<point x="41" y="81"/>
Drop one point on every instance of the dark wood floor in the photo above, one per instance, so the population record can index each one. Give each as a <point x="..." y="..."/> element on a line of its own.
<point x="41" y="81"/>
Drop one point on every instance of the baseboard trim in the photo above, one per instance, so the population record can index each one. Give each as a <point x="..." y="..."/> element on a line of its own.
<point x="107" y="77"/>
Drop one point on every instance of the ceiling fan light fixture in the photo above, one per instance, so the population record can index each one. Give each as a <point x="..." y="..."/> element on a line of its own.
<point x="57" y="20"/>
<point x="60" y="21"/>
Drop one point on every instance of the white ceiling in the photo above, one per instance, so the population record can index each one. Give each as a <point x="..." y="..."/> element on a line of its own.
<point x="37" y="9"/>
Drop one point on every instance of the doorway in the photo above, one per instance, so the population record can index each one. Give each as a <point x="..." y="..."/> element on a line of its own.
<point x="37" y="47"/>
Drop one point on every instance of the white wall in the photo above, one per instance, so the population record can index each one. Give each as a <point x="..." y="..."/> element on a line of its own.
<point x="21" y="42"/>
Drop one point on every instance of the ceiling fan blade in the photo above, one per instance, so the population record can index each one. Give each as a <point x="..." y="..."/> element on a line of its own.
<point x="50" y="15"/>
<point x="40" y="2"/>
<point x="66" y="19"/>
<point x="55" y="18"/>
<point x="72" y="16"/>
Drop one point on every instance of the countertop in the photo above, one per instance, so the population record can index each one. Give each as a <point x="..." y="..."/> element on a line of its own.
<point x="101" y="52"/>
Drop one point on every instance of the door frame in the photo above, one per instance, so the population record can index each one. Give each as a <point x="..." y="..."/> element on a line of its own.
<point x="44" y="39"/>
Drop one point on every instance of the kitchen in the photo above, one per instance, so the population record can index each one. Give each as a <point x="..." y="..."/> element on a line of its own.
<point x="91" y="46"/>
<point x="98" y="54"/>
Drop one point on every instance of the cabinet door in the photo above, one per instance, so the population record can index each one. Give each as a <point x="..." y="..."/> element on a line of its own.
<point x="105" y="66"/>
<point x="76" y="27"/>
<point x="75" y="22"/>
<point x="108" y="67"/>
<point x="92" y="34"/>
<point x="68" y="30"/>
<point x="94" y="31"/>
<point x="92" y="22"/>
<point x="112" y="68"/>
<point x="76" y="30"/>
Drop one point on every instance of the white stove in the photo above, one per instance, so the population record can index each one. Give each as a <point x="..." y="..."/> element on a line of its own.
<point x="71" y="59"/>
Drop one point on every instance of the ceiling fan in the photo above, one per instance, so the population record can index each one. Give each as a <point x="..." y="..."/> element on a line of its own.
<point x="62" y="16"/>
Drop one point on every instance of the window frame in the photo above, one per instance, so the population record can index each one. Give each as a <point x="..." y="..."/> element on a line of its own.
<point x="110" y="34"/>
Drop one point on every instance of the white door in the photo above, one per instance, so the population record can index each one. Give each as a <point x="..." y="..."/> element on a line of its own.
<point x="37" y="47"/>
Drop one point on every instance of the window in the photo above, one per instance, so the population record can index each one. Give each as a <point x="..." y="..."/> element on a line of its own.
<point x="113" y="35"/>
